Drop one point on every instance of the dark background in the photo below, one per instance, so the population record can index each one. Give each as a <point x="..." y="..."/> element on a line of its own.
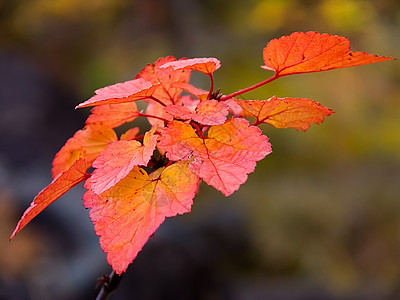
<point x="318" y="219"/>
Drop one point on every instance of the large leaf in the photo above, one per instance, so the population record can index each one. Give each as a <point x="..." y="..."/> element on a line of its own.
<point x="126" y="215"/>
<point x="204" y="65"/>
<point x="113" y="115"/>
<point x="223" y="158"/>
<point x="208" y="112"/>
<point x="123" y="92"/>
<point x="118" y="159"/>
<point x="313" y="52"/>
<point x="75" y="174"/>
<point x="86" y="143"/>
<point x="166" y="79"/>
<point x="296" y="113"/>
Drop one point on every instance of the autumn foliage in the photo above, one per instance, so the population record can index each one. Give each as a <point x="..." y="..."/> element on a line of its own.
<point x="140" y="178"/>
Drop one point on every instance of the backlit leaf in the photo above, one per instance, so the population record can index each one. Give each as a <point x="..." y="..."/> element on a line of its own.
<point x="297" y="113"/>
<point x="123" y="92"/>
<point x="126" y="215"/>
<point x="75" y="174"/>
<point x="313" y="52"/>
<point x="86" y="143"/>
<point x="223" y="158"/>
<point x="118" y="159"/>
<point x="113" y="115"/>
<point x="208" y="112"/>
<point x="204" y="65"/>
<point x="166" y="79"/>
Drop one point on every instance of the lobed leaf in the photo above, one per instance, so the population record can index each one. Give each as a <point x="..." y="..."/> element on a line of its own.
<point x="75" y="174"/>
<point x="124" y="92"/>
<point x="86" y="143"/>
<point x="113" y="115"/>
<point x="204" y="65"/>
<point x="118" y="159"/>
<point x="126" y="215"/>
<point x="167" y="80"/>
<point x="296" y="113"/>
<point x="208" y="112"/>
<point x="224" y="158"/>
<point x="313" y="52"/>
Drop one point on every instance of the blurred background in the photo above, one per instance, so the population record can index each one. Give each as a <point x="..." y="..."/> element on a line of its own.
<point x="318" y="219"/>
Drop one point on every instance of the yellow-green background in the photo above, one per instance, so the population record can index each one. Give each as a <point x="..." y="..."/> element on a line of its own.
<point x="318" y="219"/>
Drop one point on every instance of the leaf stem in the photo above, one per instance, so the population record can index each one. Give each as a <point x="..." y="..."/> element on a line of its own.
<point x="250" y="88"/>
<point x="212" y="85"/>
<point x="157" y="100"/>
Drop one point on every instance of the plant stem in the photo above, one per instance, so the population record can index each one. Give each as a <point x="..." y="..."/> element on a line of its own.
<point x="106" y="285"/>
<point x="250" y="88"/>
<point x="212" y="85"/>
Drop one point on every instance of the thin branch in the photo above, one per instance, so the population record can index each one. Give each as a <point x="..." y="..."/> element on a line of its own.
<point x="250" y="88"/>
<point x="212" y="85"/>
<point x="106" y="285"/>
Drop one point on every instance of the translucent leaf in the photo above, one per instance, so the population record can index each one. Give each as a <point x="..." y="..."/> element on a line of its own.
<point x="313" y="52"/>
<point x="126" y="215"/>
<point x="297" y="113"/>
<point x="223" y="158"/>
<point x="75" y="174"/>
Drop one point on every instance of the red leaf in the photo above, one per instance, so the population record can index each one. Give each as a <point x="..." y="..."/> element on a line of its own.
<point x="113" y="115"/>
<point x="208" y="112"/>
<point x="224" y="158"/>
<point x="204" y="65"/>
<point x="313" y="52"/>
<point x="167" y="80"/>
<point x="297" y="113"/>
<point x="118" y="159"/>
<point x="127" y="91"/>
<point x="126" y="215"/>
<point x="86" y="143"/>
<point x="75" y="174"/>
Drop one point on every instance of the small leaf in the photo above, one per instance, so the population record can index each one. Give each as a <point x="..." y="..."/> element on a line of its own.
<point x="297" y="113"/>
<point x="127" y="91"/>
<point x="208" y="112"/>
<point x="313" y="52"/>
<point x="167" y="80"/>
<point x="118" y="159"/>
<point x="113" y="115"/>
<point x="75" y="174"/>
<point x="204" y="65"/>
<point x="126" y="215"/>
<point x="130" y="134"/>
<point x="211" y="112"/>
<point x="223" y="158"/>
<point x="86" y="143"/>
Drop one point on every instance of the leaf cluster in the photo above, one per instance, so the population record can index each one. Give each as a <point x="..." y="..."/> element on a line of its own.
<point x="141" y="178"/>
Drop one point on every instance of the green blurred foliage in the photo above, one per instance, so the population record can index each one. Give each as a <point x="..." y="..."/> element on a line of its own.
<point x="325" y="205"/>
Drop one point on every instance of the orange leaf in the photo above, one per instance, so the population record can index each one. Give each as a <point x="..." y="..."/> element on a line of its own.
<point x="208" y="112"/>
<point x="123" y="92"/>
<point x="313" y="52"/>
<point x="113" y="115"/>
<point x="167" y="80"/>
<point x="297" y="113"/>
<point x="126" y="215"/>
<point x="86" y="143"/>
<point x="118" y="159"/>
<point x="204" y="65"/>
<point x="75" y="174"/>
<point x="129" y="134"/>
<point x="223" y="158"/>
